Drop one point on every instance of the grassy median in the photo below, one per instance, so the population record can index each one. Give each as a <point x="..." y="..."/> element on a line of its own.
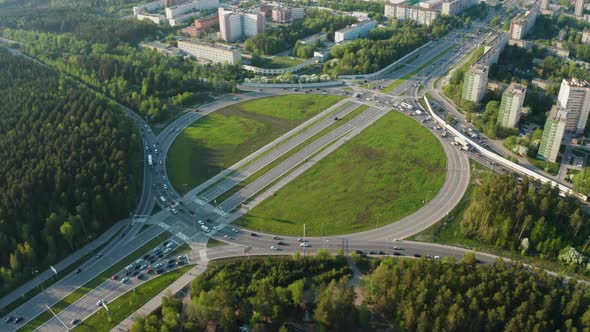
<point x="221" y="139"/>
<point x="129" y="302"/>
<point x="382" y="175"/>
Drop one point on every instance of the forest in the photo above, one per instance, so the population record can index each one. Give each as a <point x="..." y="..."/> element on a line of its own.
<point x="384" y="45"/>
<point x="282" y="38"/>
<point x="526" y="216"/>
<point x="70" y="169"/>
<point x="269" y="294"/>
<point x="102" y="53"/>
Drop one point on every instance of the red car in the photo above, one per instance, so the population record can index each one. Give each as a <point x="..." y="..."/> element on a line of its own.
<point x="115" y="277"/>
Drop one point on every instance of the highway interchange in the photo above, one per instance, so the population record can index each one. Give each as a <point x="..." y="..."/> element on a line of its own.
<point x="196" y="204"/>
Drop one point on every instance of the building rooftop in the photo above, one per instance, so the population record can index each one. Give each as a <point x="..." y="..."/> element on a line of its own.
<point x="478" y="69"/>
<point x="516" y="89"/>
<point x="218" y="46"/>
<point x="577" y="82"/>
<point x="356" y="25"/>
<point x="557" y="113"/>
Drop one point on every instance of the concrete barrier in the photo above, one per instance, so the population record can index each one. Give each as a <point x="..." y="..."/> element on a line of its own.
<point x="503" y="161"/>
<point x="328" y="84"/>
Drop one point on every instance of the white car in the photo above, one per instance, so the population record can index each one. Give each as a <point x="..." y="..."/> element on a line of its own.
<point x="124" y="280"/>
<point x="170" y="245"/>
<point x="128" y="267"/>
<point x="304" y="244"/>
<point x="167" y="250"/>
<point x="201" y="222"/>
<point x="273" y="248"/>
<point x="234" y="230"/>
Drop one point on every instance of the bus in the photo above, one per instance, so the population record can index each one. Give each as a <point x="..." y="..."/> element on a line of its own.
<point x="150" y="162"/>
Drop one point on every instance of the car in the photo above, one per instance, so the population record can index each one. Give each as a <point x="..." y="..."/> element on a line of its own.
<point x="171" y="260"/>
<point x="273" y="248"/>
<point x="124" y="280"/>
<point x="167" y="250"/>
<point x="235" y="98"/>
<point x="304" y="244"/>
<point x="381" y="252"/>
<point x="76" y="321"/>
<point x="99" y="302"/>
<point x="150" y="270"/>
<point x="78" y="270"/>
<point x="217" y="227"/>
<point x="135" y="273"/>
<point x="165" y="186"/>
<point x="417" y="255"/>
<point x="281" y="243"/>
<point x="165" y="243"/>
<point x="174" y="211"/>
<point x="226" y="236"/>
<point x="300" y="240"/>
<point x="253" y="234"/>
<point x="139" y="261"/>
<point x="164" y="177"/>
<point x="397" y="248"/>
<point x="18" y="319"/>
<point x="170" y="245"/>
<point x="200" y="222"/>
<point x="234" y="230"/>
<point x="397" y="254"/>
<point x="128" y="273"/>
<point x="146" y="256"/>
<point x="276" y="237"/>
<point x="182" y="258"/>
<point x="157" y="266"/>
<point x="115" y="277"/>
<point x="9" y="320"/>
<point x="180" y="263"/>
<point x="161" y="162"/>
<point x="143" y="267"/>
<point x="436" y="257"/>
<point x="140" y="276"/>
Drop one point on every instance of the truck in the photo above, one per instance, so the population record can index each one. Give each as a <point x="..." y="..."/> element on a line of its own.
<point x="150" y="161"/>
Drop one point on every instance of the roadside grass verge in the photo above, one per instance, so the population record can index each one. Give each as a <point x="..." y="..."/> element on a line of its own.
<point x="277" y="62"/>
<point x="30" y="294"/>
<point x="404" y="78"/>
<point x="385" y="173"/>
<point x="89" y="286"/>
<point x="293" y="151"/>
<point x="212" y="243"/>
<point x="222" y="138"/>
<point x="129" y="302"/>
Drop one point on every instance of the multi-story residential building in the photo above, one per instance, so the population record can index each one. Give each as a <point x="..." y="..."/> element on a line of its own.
<point x="354" y="31"/>
<point x="579" y="9"/>
<point x="586" y="36"/>
<point x="297" y="13"/>
<point x="174" y="12"/>
<point x="201" y="25"/>
<point x="475" y="83"/>
<point x="401" y="12"/>
<point x="552" y="134"/>
<point x="238" y="25"/>
<point x="211" y="52"/>
<point x="511" y="105"/>
<point x="521" y="25"/>
<point x="157" y="19"/>
<point x="454" y="7"/>
<point x="574" y="98"/>
<point x="137" y="10"/>
<point x="281" y="15"/>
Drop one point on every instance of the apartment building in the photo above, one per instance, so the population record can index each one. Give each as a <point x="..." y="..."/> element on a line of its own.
<point x="239" y="25"/>
<point x="574" y="98"/>
<point x="454" y="7"/>
<point x="281" y="15"/>
<point x="211" y="52"/>
<point x="579" y="8"/>
<point x="521" y="25"/>
<point x="511" y="105"/>
<point x="552" y="134"/>
<point x="401" y="12"/>
<point x="354" y="31"/>
<point x="545" y="4"/>
<point x="586" y="36"/>
<point x="475" y="83"/>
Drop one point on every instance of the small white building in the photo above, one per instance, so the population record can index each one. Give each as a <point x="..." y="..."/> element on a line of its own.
<point x="354" y="31"/>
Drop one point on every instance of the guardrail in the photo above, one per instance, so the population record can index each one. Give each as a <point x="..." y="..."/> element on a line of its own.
<point x="505" y="162"/>
<point x="280" y="71"/>
<point x="328" y="84"/>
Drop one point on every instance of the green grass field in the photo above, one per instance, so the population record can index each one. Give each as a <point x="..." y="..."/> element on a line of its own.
<point x="404" y="78"/>
<point x="277" y="62"/>
<point x="221" y="139"/>
<point x="128" y="303"/>
<point x="380" y="176"/>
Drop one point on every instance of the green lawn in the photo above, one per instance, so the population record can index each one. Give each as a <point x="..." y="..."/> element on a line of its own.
<point x="547" y="166"/>
<point x="404" y="78"/>
<point x="128" y="303"/>
<point x="378" y="177"/>
<point x="89" y="286"/>
<point x="221" y="139"/>
<point x="277" y="62"/>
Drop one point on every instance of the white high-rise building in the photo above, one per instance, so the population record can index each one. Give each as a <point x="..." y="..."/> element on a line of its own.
<point x="574" y="98"/>
<point x="511" y="105"/>
<point x="579" y="9"/>
<point x="238" y="25"/>
<point x="552" y="134"/>
<point x="586" y="36"/>
<point x="211" y="52"/>
<point x="475" y="83"/>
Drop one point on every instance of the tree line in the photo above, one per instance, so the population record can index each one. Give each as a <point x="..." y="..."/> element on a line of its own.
<point x="281" y="38"/>
<point x="269" y="294"/>
<point x="143" y="80"/>
<point x="70" y="168"/>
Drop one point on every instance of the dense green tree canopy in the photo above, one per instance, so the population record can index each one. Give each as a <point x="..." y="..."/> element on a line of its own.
<point x="69" y="166"/>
